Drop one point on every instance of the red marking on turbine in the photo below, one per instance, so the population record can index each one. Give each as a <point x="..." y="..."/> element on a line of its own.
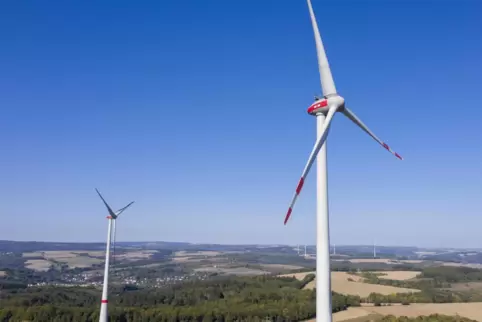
<point x="109" y="217"/>
<point x="300" y="186"/>
<point x="288" y="214"/>
<point x="317" y="105"/>
<point x="386" y="146"/>
<point x="398" y="156"/>
<point x="104" y="301"/>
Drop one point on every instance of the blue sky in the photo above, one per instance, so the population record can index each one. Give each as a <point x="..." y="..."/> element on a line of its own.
<point x="197" y="111"/>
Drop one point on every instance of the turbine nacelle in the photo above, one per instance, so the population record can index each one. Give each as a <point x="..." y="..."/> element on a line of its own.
<point x="321" y="106"/>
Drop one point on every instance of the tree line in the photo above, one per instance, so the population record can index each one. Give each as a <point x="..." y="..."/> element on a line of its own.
<point x="429" y="318"/>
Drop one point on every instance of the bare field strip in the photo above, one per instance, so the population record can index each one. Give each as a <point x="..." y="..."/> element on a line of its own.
<point x="371" y="260"/>
<point x="341" y="284"/>
<point x="184" y="253"/>
<point x="95" y="253"/>
<point x="56" y="254"/>
<point x="412" y="261"/>
<point x="136" y="255"/>
<point x="33" y="254"/>
<point x="241" y="271"/>
<point x="79" y="261"/>
<point x="397" y="275"/>
<point x="38" y="264"/>
<point x="468" y="310"/>
<point x="281" y="267"/>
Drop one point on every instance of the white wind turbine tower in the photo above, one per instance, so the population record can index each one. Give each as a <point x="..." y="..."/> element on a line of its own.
<point x="324" y="109"/>
<point x="374" y="249"/>
<point x="111" y="227"/>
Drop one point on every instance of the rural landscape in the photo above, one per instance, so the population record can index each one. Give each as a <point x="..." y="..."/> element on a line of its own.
<point x="162" y="281"/>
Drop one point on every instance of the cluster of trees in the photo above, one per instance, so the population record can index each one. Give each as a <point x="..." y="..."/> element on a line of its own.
<point x="429" y="318"/>
<point x="433" y="283"/>
<point x="453" y="274"/>
<point x="432" y="296"/>
<point x="227" y="299"/>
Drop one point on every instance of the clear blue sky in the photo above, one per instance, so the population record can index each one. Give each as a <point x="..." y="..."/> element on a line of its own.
<point x="197" y="111"/>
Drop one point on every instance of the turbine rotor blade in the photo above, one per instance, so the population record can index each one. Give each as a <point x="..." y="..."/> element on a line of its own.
<point x="327" y="83"/>
<point x="111" y="213"/>
<point x="358" y="122"/>
<point x="122" y="209"/>
<point x="319" y="143"/>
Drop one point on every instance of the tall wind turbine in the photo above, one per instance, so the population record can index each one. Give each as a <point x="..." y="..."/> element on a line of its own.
<point x="324" y="109"/>
<point x="112" y="218"/>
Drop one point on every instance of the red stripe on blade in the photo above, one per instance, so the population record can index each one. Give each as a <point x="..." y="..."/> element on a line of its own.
<point x="398" y="156"/>
<point x="300" y="186"/>
<point x="386" y="146"/>
<point x="288" y="214"/>
<point x="104" y="301"/>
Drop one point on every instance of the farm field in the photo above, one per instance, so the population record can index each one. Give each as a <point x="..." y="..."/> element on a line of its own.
<point x="184" y="253"/>
<point x="240" y="271"/>
<point x="350" y="314"/>
<point x="43" y="260"/>
<point x="185" y="256"/>
<point x="341" y="284"/>
<point x="397" y="275"/>
<point x="40" y="265"/>
<point x="279" y="267"/>
<point x="2" y="273"/>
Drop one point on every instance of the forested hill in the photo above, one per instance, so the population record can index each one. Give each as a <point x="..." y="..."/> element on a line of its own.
<point x="229" y="299"/>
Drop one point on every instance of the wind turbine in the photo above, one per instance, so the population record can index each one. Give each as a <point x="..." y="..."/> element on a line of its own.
<point x="374" y="249"/>
<point x="324" y="108"/>
<point x="112" y="218"/>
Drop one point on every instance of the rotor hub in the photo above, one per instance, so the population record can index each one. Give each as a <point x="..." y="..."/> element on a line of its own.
<point x="321" y="106"/>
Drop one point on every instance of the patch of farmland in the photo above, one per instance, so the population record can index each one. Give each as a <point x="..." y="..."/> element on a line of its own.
<point x="371" y="260"/>
<point x="241" y="271"/>
<point x="95" y="253"/>
<point x="183" y="259"/>
<point x="184" y="253"/>
<point x="340" y="283"/>
<point x="58" y="254"/>
<point x="40" y="265"/>
<point x="3" y="273"/>
<point x="352" y="314"/>
<point x="79" y="261"/>
<point x="477" y="266"/>
<point x="299" y="276"/>
<point x="33" y="254"/>
<point x="280" y="267"/>
<point x="135" y="255"/>
<point x="468" y="310"/>
<point x="349" y="314"/>
<point x="396" y="275"/>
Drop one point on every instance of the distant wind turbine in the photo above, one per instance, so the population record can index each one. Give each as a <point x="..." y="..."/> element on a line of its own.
<point x="105" y="288"/>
